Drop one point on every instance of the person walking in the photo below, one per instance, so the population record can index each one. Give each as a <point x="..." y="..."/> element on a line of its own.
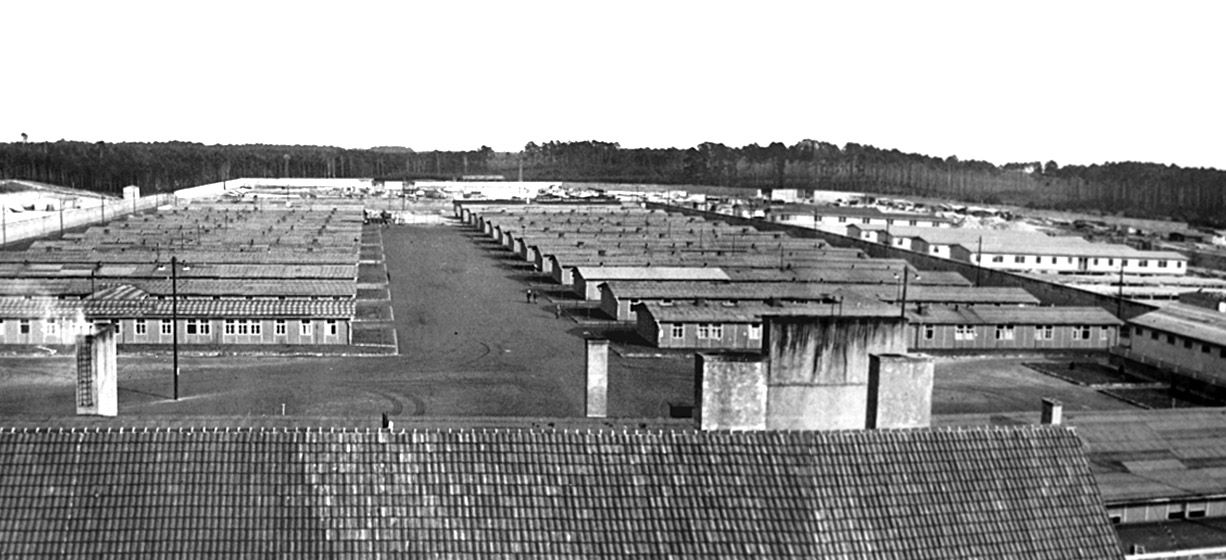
<point x="528" y="296"/>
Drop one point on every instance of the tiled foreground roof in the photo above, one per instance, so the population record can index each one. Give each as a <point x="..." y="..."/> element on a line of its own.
<point x="982" y="493"/>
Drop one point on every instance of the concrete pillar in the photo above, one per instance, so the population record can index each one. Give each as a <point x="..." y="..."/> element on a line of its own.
<point x="97" y="390"/>
<point x="597" y="377"/>
<point x="899" y="391"/>
<point x="818" y="372"/>
<point x="730" y="391"/>
<point x="1053" y="412"/>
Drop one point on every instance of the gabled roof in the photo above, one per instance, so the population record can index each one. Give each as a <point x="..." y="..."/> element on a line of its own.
<point x="849" y="211"/>
<point x="658" y="273"/>
<point x="1188" y="321"/>
<point x="970" y="236"/>
<point x="950" y="294"/>
<point x="1137" y="455"/>
<point x="80" y="287"/>
<point x="128" y="270"/>
<point x="630" y="289"/>
<point x="1020" y="492"/>
<point x="734" y="290"/>
<point x="859" y="275"/>
<point x="150" y="308"/>
<point x="979" y="315"/>
<point x="841" y="304"/>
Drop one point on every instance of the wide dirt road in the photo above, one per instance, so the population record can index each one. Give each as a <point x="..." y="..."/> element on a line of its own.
<point x="470" y="346"/>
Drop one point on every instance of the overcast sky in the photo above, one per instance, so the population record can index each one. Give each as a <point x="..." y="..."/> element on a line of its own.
<point x="1075" y="82"/>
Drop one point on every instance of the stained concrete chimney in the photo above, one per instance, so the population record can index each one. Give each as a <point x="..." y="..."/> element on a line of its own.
<point x="899" y="391"/>
<point x="97" y="374"/>
<point x="597" y="377"/>
<point x="730" y="391"/>
<point x="1053" y="412"/>
<point x="818" y="372"/>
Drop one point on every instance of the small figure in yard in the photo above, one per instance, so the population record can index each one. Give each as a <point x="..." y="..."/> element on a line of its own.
<point x="557" y="311"/>
<point x="528" y="295"/>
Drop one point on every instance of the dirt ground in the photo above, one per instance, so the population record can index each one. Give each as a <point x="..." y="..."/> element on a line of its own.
<point x="470" y="345"/>
<point x="999" y="384"/>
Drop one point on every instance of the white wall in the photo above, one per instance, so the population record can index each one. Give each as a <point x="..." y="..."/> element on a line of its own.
<point x="1072" y="264"/>
<point x="29" y="225"/>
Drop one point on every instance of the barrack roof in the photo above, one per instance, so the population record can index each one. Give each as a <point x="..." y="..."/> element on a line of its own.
<point x="187" y="493"/>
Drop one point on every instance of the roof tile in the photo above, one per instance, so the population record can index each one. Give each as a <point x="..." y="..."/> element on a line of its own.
<point x="1000" y="492"/>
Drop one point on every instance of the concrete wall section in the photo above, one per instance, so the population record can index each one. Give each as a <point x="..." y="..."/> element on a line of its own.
<point x="816" y="407"/>
<point x="730" y="391"/>
<point x="597" y="377"/>
<point x="97" y="374"/>
<point x="31" y="225"/>
<point x="828" y="350"/>
<point x="818" y="373"/>
<point x="899" y="391"/>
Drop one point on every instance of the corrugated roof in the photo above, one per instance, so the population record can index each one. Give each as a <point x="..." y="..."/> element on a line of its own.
<point x="982" y="493"/>
<point x="992" y="315"/>
<point x="35" y="308"/>
<point x="970" y="236"/>
<point x="1188" y="321"/>
<point x="238" y="255"/>
<point x="625" y="289"/>
<point x="860" y="275"/>
<point x="813" y="290"/>
<point x="658" y="273"/>
<point x="950" y="294"/>
<point x="1140" y="455"/>
<point x="850" y="211"/>
<point x="752" y="312"/>
<point x="194" y="270"/>
<point x="78" y="287"/>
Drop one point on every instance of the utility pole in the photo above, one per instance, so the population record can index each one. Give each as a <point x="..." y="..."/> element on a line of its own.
<point x="978" y="261"/>
<point x="174" y="319"/>
<point x="902" y="312"/>
<point x="1119" y="298"/>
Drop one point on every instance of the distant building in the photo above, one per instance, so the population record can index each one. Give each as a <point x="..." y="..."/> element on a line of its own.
<point x="835" y="219"/>
<point x="617" y="297"/>
<point x="729" y="325"/>
<point x="785" y="194"/>
<point x="734" y="325"/>
<point x="1187" y="339"/>
<point x="1012" y="328"/>
<point x="140" y="319"/>
<point x="1036" y="252"/>
<point x="1089" y="258"/>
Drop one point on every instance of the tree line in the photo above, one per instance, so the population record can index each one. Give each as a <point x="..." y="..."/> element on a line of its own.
<point x="1148" y="190"/>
